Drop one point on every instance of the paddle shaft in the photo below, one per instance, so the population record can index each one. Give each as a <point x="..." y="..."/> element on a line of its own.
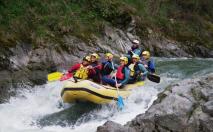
<point x="115" y="80"/>
<point x="116" y="86"/>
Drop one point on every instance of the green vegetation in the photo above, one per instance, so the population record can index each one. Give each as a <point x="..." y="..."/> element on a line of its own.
<point x="37" y="21"/>
<point x="187" y="21"/>
<point x="50" y="19"/>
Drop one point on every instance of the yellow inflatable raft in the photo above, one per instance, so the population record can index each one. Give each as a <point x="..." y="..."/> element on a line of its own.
<point x="85" y="90"/>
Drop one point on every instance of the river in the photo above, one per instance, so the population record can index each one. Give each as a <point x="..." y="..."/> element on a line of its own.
<point x="41" y="110"/>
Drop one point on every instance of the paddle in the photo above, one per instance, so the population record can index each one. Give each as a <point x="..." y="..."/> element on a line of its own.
<point x="153" y="77"/>
<point x="54" y="76"/>
<point x="120" y="101"/>
<point x="66" y="76"/>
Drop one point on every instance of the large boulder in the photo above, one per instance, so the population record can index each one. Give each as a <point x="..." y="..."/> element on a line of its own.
<point x="181" y="107"/>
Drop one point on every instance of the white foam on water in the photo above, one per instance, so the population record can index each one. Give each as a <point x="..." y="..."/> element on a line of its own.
<point x="21" y="113"/>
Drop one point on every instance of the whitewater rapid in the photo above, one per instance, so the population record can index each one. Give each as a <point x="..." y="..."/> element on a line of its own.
<point x="22" y="112"/>
<point x="26" y="112"/>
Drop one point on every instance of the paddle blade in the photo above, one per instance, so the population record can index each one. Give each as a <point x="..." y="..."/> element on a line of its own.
<point x="54" y="76"/>
<point x="153" y="78"/>
<point x="66" y="76"/>
<point x="120" y="103"/>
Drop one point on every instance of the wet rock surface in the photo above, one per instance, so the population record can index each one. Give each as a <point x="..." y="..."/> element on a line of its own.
<point x="110" y="126"/>
<point x="208" y="107"/>
<point x="184" y="107"/>
<point x="163" y="47"/>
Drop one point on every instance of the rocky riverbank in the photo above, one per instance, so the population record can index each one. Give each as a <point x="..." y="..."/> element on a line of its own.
<point x="186" y="106"/>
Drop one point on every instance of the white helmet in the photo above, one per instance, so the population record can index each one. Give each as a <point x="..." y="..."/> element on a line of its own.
<point x="135" y="41"/>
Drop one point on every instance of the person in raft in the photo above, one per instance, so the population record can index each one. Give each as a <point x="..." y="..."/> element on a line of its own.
<point x="137" y="71"/>
<point x="122" y="75"/>
<point x="135" y="49"/>
<point x="80" y="70"/>
<point x="107" y="65"/>
<point x="95" y="68"/>
<point x="148" y="62"/>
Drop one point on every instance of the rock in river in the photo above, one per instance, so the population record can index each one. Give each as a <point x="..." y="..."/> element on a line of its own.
<point x="183" y="107"/>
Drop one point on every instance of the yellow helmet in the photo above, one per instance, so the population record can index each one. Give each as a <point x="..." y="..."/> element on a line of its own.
<point x="95" y="55"/>
<point x="146" y="53"/>
<point x="136" y="56"/>
<point x="87" y="58"/>
<point x="125" y="59"/>
<point x="108" y="55"/>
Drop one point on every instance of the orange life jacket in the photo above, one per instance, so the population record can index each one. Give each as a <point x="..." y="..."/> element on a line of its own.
<point x="120" y="75"/>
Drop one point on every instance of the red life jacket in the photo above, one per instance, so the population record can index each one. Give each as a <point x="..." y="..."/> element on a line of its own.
<point x="120" y="75"/>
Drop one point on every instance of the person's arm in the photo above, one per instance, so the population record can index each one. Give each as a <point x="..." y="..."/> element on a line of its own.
<point x="126" y="76"/>
<point x="144" y="62"/>
<point x="142" y="69"/>
<point x="152" y="66"/>
<point x="92" y="71"/>
<point x="98" y="67"/>
<point x="114" y="66"/>
<point x="74" y="68"/>
<point x="95" y="69"/>
<point x="130" y="53"/>
<point x="111" y="66"/>
<point x="104" y="63"/>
